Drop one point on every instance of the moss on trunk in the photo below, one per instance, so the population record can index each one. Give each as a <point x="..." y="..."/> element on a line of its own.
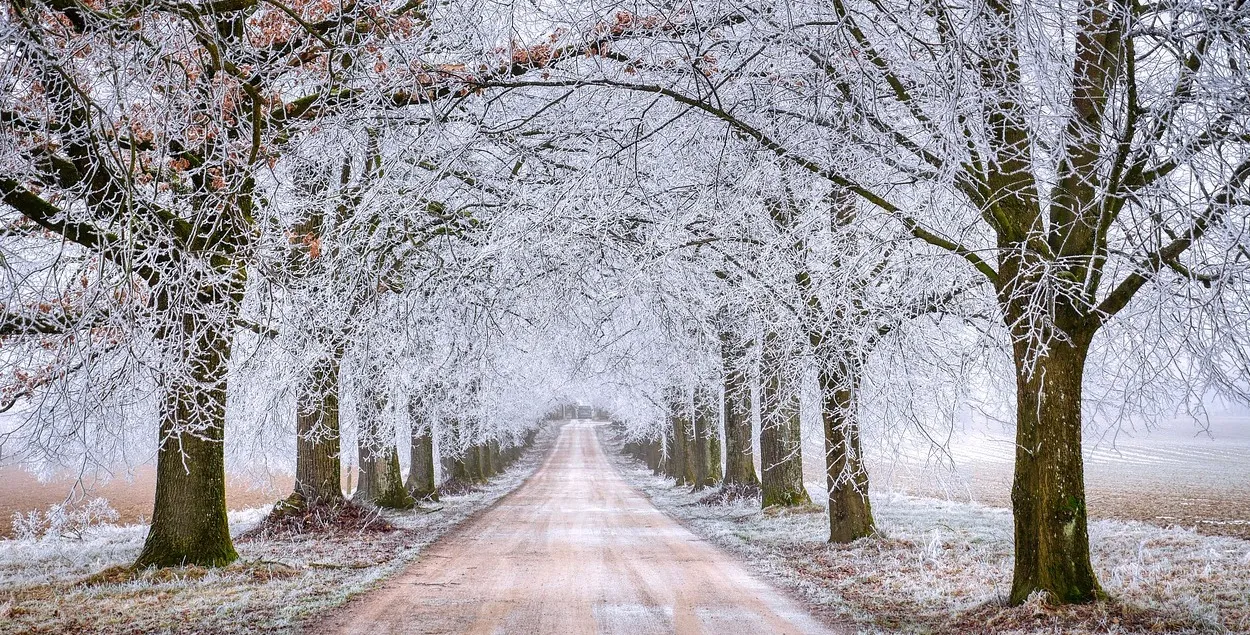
<point x="380" y="482"/>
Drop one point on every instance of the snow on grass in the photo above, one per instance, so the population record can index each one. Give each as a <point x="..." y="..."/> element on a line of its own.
<point x="945" y="567"/>
<point x="58" y="585"/>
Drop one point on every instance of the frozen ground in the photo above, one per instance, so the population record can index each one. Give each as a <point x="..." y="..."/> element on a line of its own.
<point x="274" y="587"/>
<point x="945" y="566"/>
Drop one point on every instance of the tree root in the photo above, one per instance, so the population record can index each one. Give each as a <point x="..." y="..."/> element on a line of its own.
<point x="295" y="517"/>
<point x="733" y="493"/>
<point x="457" y="487"/>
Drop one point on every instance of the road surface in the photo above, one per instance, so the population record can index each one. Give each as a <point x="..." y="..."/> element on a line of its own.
<point x="574" y="550"/>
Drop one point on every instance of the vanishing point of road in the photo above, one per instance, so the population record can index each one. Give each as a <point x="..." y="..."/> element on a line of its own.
<point x="575" y="549"/>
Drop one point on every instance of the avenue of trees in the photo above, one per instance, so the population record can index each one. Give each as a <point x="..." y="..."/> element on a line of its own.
<point x="378" y="233"/>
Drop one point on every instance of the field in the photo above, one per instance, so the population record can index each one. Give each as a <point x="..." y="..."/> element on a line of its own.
<point x="1176" y="475"/>
<point x="21" y="491"/>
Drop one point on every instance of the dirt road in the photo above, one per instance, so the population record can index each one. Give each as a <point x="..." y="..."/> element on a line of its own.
<point x="574" y="550"/>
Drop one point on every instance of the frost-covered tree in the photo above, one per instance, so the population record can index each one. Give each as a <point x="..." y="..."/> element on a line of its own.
<point x="1089" y="162"/>
<point x="140" y="133"/>
<point x="144" y="136"/>
<point x="154" y="140"/>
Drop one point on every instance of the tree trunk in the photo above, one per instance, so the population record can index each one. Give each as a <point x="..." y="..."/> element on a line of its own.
<point x="670" y="466"/>
<point x="464" y="466"/>
<point x="739" y="454"/>
<point x="1048" y="494"/>
<point x="464" y="459"/>
<point x="449" y="449"/>
<point x="690" y="450"/>
<point x="421" y="483"/>
<point x="781" y="434"/>
<point x="850" y="512"/>
<point x="716" y="469"/>
<point x="318" y="474"/>
<point x="468" y="465"/>
<point x="189" y="524"/>
<point x="476" y="463"/>
<point x="487" y="465"/>
<point x="460" y="468"/>
<point x="380" y="482"/>
<point x="704" y="427"/>
<point x="448" y="464"/>
<point x="717" y="472"/>
<point x="683" y="469"/>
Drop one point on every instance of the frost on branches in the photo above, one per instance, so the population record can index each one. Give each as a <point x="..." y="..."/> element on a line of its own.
<point x="397" y="234"/>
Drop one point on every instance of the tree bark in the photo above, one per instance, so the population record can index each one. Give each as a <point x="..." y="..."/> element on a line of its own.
<point x="476" y="462"/>
<point x="704" y="428"/>
<point x="380" y="482"/>
<point x="683" y="469"/>
<point x="689" y="449"/>
<point x="318" y="473"/>
<point x="717" y="473"/>
<point x="850" y="511"/>
<point x="421" y="483"/>
<point x="446" y="455"/>
<point x="465" y="463"/>
<point x="1048" y="493"/>
<point x="670" y="467"/>
<point x="464" y="466"/>
<point x="449" y="450"/>
<point x="460" y="469"/>
<point x="781" y="434"/>
<point x="739" y="453"/>
<point x="189" y="525"/>
<point x="485" y="461"/>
